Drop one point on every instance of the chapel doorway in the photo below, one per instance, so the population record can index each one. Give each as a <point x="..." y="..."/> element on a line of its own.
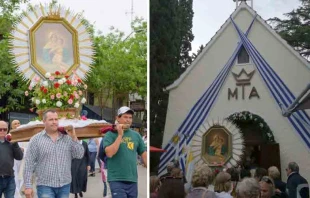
<point x="261" y="150"/>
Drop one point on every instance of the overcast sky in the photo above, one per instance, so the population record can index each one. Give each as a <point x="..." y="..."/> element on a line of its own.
<point x="105" y="13"/>
<point x="209" y="15"/>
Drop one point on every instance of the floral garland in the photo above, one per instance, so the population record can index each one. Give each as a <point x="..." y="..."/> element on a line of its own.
<point x="246" y="117"/>
<point x="57" y="91"/>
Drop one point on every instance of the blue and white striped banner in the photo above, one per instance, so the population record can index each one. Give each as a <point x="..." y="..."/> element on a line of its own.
<point x="198" y="113"/>
<point x="277" y="87"/>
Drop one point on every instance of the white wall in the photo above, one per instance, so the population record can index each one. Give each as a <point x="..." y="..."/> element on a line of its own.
<point x="290" y="69"/>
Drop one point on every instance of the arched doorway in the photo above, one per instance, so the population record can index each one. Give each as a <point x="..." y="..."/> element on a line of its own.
<point x="261" y="150"/>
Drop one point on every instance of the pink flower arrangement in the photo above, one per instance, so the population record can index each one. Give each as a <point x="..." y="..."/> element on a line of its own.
<point x="56" y="91"/>
<point x="70" y="101"/>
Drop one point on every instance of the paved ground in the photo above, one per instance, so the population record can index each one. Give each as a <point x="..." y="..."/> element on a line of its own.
<point x="95" y="185"/>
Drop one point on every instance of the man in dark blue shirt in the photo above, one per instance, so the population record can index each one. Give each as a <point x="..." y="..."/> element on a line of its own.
<point x="8" y="152"/>
<point x="296" y="186"/>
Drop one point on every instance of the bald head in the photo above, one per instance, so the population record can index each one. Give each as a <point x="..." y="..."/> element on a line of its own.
<point x="3" y="123"/>
<point x="3" y="129"/>
<point x="15" y="124"/>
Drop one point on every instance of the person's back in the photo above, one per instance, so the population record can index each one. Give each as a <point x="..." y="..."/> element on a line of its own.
<point x="201" y="178"/>
<point x="172" y="187"/>
<point x="223" y="185"/>
<point x="280" y="185"/>
<point x="297" y="186"/>
<point x="201" y="192"/>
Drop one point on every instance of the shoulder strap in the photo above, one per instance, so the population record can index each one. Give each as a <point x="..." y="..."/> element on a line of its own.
<point x="101" y="153"/>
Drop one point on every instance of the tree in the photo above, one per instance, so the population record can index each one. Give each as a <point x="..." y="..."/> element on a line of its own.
<point x="170" y="37"/>
<point x="12" y="87"/>
<point x="195" y="55"/>
<point x="121" y="63"/>
<point x="296" y="28"/>
<point x="185" y="17"/>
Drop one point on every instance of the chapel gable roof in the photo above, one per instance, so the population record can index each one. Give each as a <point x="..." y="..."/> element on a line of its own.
<point x="242" y="6"/>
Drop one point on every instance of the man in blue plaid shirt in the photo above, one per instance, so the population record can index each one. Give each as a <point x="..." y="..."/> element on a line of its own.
<point x="49" y="155"/>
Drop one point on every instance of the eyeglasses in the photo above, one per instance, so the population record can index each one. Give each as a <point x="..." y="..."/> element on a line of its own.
<point x="4" y="129"/>
<point x="267" y="180"/>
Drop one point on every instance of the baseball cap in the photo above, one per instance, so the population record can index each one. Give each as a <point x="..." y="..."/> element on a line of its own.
<point x="123" y="110"/>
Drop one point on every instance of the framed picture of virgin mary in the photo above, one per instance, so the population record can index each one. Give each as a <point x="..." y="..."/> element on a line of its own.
<point x="216" y="146"/>
<point x="53" y="46"/>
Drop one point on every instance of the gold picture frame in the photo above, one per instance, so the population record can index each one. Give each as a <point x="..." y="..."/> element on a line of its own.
<point x="216" y="146"/>
<point x="54" y="46"/>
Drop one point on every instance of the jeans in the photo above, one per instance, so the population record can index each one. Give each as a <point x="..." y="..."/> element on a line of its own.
<point x="124" y="189"/>
<point x="7" y="186"/>
<point x="105" y="189"/>
<point x="92" y="161"/>
<point x="51" y="192"/>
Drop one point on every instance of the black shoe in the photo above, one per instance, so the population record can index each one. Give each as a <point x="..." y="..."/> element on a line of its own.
<point x="81" y="194"/>
<point x="75" y="195"/>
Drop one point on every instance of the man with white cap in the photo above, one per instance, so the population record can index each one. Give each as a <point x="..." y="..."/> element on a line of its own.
<point x="121" y="148"/>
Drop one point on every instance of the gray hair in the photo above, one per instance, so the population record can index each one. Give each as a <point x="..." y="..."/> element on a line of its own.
<point x="269" y="181"/>
<point x="293" y="166"/>
<point x="48" y="111"/>
<point x="248" y="188"/>
<point x="274" y="172"/>
<point x="202" y="176"/>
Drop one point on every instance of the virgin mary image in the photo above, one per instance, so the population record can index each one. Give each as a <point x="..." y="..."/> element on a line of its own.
<point x="55" y="53"/>
<point x="217" y="147"/>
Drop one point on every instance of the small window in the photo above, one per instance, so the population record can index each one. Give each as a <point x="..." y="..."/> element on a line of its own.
<point x="243" y="56"/>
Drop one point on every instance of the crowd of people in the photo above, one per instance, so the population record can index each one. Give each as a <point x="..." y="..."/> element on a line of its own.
<point x="229" y="183"/>
<point x="53" y="164"/>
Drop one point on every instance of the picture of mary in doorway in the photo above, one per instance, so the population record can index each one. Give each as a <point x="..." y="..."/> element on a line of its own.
<point x="216" y="145"/>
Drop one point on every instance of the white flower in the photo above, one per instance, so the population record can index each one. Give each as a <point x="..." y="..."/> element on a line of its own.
<point x="85" y="86"/>
<point x="269" y="135"/>
<point x="47" y="75"/>
<point x="64" y="79"/>
<point x="45" y="83"/>
<point x="37" y="101"/>
<point x="83" y="100"/>
<point x="43" y="101"/>
<point x="32" y="99"/>
<point x="58" y="104"/>
<point x="261" y="125"/>
<point x="32" y="84"/>
<point x="76" y="105"/>
<point x="60" y="82"/>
